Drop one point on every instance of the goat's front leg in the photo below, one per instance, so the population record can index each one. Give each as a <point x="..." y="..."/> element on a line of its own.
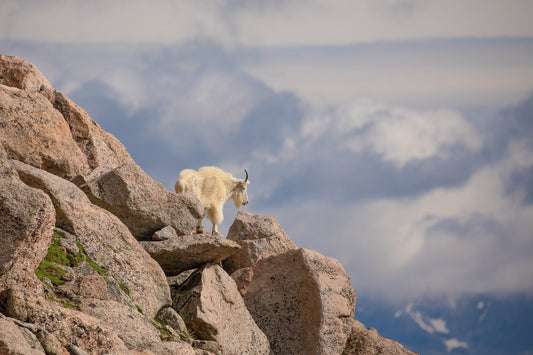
<point x="199" y="228"/>
<point x="214" y="231"/>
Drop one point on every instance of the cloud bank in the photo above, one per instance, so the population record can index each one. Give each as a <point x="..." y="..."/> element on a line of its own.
<point x="256" y="23"/>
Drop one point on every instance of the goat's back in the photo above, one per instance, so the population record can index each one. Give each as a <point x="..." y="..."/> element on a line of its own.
<point x="186" y="181"/>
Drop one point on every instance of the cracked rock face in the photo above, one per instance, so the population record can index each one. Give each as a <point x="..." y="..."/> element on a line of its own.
<point x="37" y="134"/>
<point x="259" y="236"/>
<point x="141" y="203"/>
<point x="186" y="252"/>
<point x="105" y="238"/>
<point x="17" y="340"/>
<point x="367" y="341"/>
<point x="27" y="219"/>
<point x="213" y="309"/>
<point x="303" y="301"/>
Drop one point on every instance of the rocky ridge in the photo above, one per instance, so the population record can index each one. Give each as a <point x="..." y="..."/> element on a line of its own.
<point x="99" y="258"/>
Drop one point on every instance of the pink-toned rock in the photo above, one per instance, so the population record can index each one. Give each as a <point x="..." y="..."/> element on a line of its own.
<point x="94" y="286"/>
<point x="135" y="330"/>
<point x="187" y="252"/>
<point x="213" y="309"/>
<point x="363" y="341"/>
<point x="21" y="74"/>
<point x="167" y="348"/>
<point x="259" y="236"/>
<point x="105" y="239"/>
<point x="242" y="278"/>
<point x="27" y="219"/>
<point x="17" y="340"/>
<point x="69" y="326"/>
<point x="141" y="203"/>
<point x="303" y="301"/>
<point x="32" y="131"/>
<point x="100" y="147"/>
<point x="64" y="125"/>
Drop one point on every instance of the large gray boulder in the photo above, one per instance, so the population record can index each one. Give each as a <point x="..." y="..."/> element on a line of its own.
<point x="27" y="219"/>
<point x="213" y="309"/>
<point x="367" y="341"/>
<point x="259" y="236"/>
<point x="303" y="301"/>
<point x="105" y="239"/>
<point x="141" y="203"/>
<point x="186" y="252"/>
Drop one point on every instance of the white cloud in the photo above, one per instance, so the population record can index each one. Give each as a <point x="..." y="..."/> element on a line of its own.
<point x="466" y="239"/>
<point x="453" y="343"/>
<point x="429" y="325"/>
<point x="399" y="135"/>
<point x="427" y="74"/>
<point x="291" y="23"/>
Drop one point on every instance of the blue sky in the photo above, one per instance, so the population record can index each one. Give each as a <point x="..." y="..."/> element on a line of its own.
<point x="393" y="135"/>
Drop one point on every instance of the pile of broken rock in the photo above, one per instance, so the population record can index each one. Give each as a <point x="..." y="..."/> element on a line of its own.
<point x="99" y="258"/>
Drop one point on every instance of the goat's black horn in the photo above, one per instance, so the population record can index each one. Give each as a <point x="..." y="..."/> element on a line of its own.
<point x="246" y="172"/>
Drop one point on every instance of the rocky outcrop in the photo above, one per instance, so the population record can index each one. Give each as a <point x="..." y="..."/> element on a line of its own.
<point x="166" y="348"/>
<point x="74" y="278"/>
<point x="27" y="219"/>
<point x="17" y="340"/>
<point x="259" y="236"/>
<point x="105" y="239"/>
<point x="213" y="309"/>
<point x="36" y="133"/>
<point x="164" y="233"/>
<point x="69" y="326"/>
<point x="100" y="147"/>
<point x="21" y="74"/>
<point x="141" y="203"/>
<point x="61" y="138"/>
<point x="303" y="301"/>
<point x="187" y="252"/>
<point x="363" y="341"/>
<point x="134" y="329"/>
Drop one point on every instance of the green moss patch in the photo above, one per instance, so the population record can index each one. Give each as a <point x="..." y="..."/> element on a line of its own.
<point x="83" y="254"/>
<point x="50" y="267"/>
<point x="50" y="271"/>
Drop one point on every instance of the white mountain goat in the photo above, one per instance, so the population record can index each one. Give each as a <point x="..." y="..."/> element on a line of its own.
<point x="214" y="188"/>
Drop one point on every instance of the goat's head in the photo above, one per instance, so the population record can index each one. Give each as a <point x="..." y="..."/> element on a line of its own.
<point x="240" y="195"/>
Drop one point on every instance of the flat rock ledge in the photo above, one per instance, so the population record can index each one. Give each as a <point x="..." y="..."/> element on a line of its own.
<point x="187" y="252"/>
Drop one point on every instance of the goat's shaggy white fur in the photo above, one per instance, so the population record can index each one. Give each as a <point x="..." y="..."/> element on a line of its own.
<point x="214" y="188"/>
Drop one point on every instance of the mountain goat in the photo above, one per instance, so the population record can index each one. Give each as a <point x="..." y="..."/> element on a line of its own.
<point x="214" y="188"/>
